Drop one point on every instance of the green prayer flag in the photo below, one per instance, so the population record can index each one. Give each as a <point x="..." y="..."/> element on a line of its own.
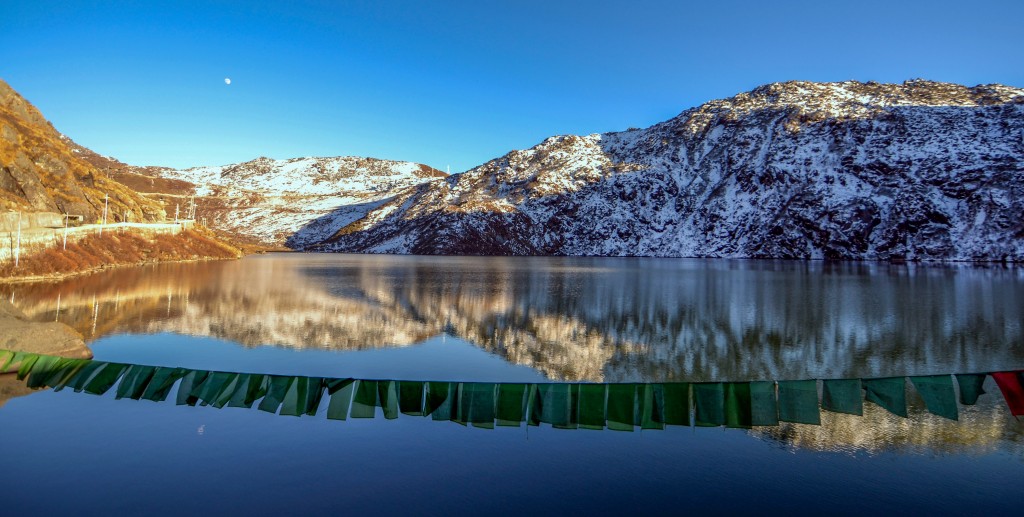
<point x="477" y="401"/>
<point x="555" y="404"/>
<point x="621" y="410"/>
<point x="161" y="383"/>
<point x="764" y="407"/>
<point x="104" y="378"/>
<point x="6" y="357"/>
<point x="303" y="396"/>
<point x="677" y="403"/>
<point x="737" y="405"/>
<point x="709" y="403"/>
<point x="511" y="409"/>
<point x="938" y="394"/>
<point x="592" y="406"/>
<point x="410" y="397"/>
<point x="250" y="388"/>
<point x="40" y="370"/>
<point x="134" y="382"/>
<point x="842" y="396"/>
<point x="65" y="372"/>
<point x="653" y="407"/>
<point x="341" y="397"/>
<point x="28" y="361"/>
<point x="209" y="390"/>
<point x="365" y="400"/>
<point x="439" y="400"/>
<point x="83" y="376"/>
<point x="970" y="387"/>
<point x="277" y="388"/>
<point x="798" y="402"/>
<point x="888" y="392"/>
<point x="387" y="392"/>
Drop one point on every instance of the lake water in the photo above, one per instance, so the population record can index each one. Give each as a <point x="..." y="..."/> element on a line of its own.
<point x="583" y="324"/>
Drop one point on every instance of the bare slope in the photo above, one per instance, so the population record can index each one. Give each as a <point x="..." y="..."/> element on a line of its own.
<point x="40" y="172"/>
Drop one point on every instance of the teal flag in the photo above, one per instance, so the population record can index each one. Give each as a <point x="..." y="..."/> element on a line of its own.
<point x="134" y="382"/>
<point x="709" y="403"/>
<point x="622" y="407"/>
<point x="105" y="378"/>
<point x="764" y="406"/>
<point x="477" y="401"/>
<point x="798" y="402"/>
<point x="251" y="387"/>
<point x="970" y="387"/>
<point x="439" y="400"/>
<point x="938" y="394"/>
<point x="677" y="403"/>
<point x="277" y="388"/>
<point x="555" y="404"/>
<point x="410" y="397"/>
<point x="340" y="391"/>
<point x="592" y="406"/>
<point x="842" y="396"/>
<point x="737" y="405"/>
<point x="303" y="396"/>
<point x="160" y="385"/>
<point x="366" y="400"/>
<point x="511" y="409"/>
<point x="888" y="392"/>
<point x="652" y="409"/>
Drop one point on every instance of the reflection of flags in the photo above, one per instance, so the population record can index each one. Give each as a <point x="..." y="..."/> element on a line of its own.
<point x="1010" y="383"/>
<point x="888" y="392"/>
<point x="938" y="394"/>
<point x="970" y="387"/>
<point x="617" y="406"/>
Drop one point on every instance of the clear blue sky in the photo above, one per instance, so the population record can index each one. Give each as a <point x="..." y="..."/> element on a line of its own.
<point x="454" y="83"/>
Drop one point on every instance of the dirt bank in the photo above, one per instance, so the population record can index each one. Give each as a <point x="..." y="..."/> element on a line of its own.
<point x="113" y="249"/>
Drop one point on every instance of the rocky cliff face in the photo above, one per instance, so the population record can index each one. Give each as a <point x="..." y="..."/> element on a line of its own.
<point x="40" y="170"/>
<point x="917" y="171"/>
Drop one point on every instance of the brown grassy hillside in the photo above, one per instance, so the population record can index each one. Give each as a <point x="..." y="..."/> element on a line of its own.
<point x="118" y="249"/>
<point x="40" y="172"/>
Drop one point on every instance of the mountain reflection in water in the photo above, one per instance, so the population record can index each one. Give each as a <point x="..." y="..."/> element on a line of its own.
<point x="576" y="319"/>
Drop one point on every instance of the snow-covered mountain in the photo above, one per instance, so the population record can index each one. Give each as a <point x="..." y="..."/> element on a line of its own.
<point x="919" y="170"/>
<point x="298" y="201"/>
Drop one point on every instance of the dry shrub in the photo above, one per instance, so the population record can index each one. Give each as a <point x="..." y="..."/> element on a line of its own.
<point x="117" y="249"/>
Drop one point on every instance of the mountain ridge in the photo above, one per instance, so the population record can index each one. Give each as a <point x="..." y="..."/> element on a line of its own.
<point x="919" y="171"/>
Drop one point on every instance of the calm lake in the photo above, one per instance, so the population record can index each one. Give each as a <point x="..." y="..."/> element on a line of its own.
<point x="559" y="333"/>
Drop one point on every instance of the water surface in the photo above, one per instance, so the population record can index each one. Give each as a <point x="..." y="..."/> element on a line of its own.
<point x="522" y="320"/>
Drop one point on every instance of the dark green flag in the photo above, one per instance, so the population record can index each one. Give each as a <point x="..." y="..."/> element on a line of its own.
<point x="677" y="403"/>
<point x="511" y="404"/>
<point x="888" y="392"/>
<point x="938" y="394"/>
<point x="764" y="406"/>
<point x="798" y="402"/>
<point x="842" y="396"/>
<point x="709" y="403"/>
<point x="970" y="387"/>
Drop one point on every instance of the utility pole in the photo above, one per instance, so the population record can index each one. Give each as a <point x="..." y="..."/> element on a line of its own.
<point x="66" y="219"/>
<point x="105" y="204"/>
<point x="176" y="207"/>
<point x="17" y="249"/>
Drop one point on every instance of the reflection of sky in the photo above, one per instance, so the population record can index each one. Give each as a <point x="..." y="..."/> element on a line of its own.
<point x="438" y="358"/>
<point x="138" y="456"/>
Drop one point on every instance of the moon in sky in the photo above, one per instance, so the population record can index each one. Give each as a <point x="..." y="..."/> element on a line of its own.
<point x="227" y="80"/>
